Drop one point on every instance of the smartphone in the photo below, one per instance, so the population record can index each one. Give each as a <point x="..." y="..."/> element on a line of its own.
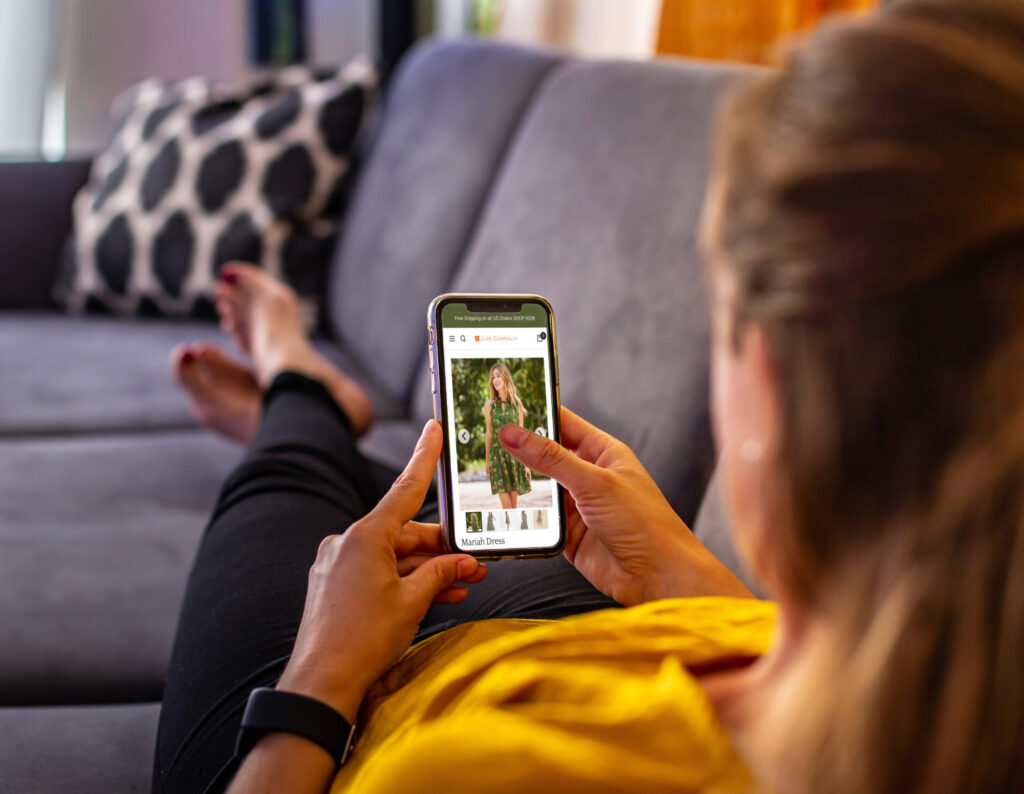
<point x="494" y="361"/>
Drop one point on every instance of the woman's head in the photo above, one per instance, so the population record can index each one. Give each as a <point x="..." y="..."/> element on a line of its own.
<point x="502" y="387"/>
<point x="865" y="233"/>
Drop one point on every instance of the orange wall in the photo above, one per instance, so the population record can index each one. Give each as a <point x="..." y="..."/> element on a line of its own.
<point x="742" y="30"/>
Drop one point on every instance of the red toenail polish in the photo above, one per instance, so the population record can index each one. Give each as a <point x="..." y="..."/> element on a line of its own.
<point x="229" y="278"/>
<point x="188" y="358"/>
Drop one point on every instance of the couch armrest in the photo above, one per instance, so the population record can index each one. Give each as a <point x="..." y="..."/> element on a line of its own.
<point x="35" y="218"/>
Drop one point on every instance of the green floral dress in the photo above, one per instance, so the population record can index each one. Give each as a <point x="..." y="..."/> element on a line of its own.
<point x="508" y="475"/>
<point x="473" y="522"/>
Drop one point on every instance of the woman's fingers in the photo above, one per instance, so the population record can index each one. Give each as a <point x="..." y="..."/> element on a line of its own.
<point x="548" y="457"/>
<point x="451" y="595"/>
<point x="574" y="528"/>
<point x="407" y="565"/>
<point x="406" y="495"/>
<point x="421" y="538"/>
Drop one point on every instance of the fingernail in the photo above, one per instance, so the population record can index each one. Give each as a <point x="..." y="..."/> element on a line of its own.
<point x="429" y="428"/>
<point x="188" y="357"/>
<point x="467" y="566"/>
<point x="228" y="277"/>
<point x="512" y="436"/>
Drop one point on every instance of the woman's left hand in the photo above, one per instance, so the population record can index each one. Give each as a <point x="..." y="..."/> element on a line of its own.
<point x="370" y="588"/>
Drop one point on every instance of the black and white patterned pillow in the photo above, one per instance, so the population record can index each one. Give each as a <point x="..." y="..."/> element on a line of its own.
<point x="198" y="174"/>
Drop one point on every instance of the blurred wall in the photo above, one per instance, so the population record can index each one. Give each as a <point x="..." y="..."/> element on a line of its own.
<point x="594" y="28"/>
<point x="26" y="30"/>
<point x="108" y="44"/>
<point x="741" y="30"/>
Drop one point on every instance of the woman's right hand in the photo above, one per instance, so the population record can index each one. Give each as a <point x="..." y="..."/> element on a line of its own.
<point x="623" y="535"/>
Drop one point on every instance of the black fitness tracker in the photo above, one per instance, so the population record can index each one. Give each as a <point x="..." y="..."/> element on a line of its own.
<point x="269" y="710"/>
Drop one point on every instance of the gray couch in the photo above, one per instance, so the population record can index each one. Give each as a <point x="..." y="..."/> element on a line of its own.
<point x="491" y="168"/>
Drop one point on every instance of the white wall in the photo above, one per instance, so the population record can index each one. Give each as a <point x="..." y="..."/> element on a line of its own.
<point x="595" y="28"/>
<point x="108" y="44"/>
<point x="26" y="29"/>
<point x="342" y="29"/>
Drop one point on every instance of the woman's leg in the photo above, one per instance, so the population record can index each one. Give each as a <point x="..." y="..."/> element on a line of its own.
<point x="303" y="479"/>
<point x="513" y="500"/>
<point x="506" y="500"/>
<point x="549" y="588"/>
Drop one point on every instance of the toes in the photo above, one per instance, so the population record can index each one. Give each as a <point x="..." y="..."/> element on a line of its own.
<point x="229" y="299"/>
<point x="183" y="366"/>
<point x="239" y="337"/>
<point x="244" y="277"/>
<point x="257" y="283"/>
<point x="223" y="368"/>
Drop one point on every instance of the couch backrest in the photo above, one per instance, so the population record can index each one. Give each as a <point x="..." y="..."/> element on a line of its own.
<point x="596" y="207"/>
<point x="503" y="169"/>
<point x="451" y="110"/>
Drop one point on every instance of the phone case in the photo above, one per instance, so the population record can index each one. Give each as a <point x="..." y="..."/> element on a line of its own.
<point x="435" y="388"/>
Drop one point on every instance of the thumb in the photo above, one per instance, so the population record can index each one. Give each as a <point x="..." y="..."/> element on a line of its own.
<point x="439" y="573"/>
<point x="545" y="456"/>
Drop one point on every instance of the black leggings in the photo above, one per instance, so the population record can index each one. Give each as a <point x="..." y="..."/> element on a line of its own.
<point x="303" y="479"/>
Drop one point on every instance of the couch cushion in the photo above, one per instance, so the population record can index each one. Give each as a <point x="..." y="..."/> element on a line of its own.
<point x="98" y="536"/>
<point x="35" y="217"/>
<point x="596" y="208"/>
<point x="98" y="374"/>
<point x="451" y="110"/>
<point x="198" y="173"/>
<point x="84" y="749"/>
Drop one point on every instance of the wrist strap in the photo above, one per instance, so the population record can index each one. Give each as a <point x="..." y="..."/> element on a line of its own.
<point x="269" y="710"/>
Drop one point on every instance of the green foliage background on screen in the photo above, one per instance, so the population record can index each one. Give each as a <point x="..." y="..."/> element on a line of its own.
<point x="470" y="390"/>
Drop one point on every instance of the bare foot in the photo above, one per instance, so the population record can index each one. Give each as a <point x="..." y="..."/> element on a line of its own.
<point x="263" y="318"/>
<point x="223" y="395"/>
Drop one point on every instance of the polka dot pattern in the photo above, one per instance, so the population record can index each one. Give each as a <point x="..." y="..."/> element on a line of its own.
<point x="220" y="174"/>
<point x="198" y="174"/>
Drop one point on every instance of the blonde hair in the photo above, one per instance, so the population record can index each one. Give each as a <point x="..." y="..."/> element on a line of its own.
<point x="510" y="386"/>
<point x="867" y="213"/>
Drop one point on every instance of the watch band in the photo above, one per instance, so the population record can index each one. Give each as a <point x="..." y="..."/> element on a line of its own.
<point x="269" y="710"/>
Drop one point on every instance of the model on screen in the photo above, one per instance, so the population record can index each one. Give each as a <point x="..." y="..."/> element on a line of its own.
<point x="509" y="478"/>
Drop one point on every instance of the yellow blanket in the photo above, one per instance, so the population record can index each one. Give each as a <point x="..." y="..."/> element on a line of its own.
<point x="599" y="702"/>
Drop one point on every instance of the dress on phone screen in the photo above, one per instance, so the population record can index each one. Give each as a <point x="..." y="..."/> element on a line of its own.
<point x="508" y="475"/>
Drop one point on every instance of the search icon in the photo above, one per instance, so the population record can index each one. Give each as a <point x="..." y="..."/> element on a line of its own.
<point x="462" y="338"/>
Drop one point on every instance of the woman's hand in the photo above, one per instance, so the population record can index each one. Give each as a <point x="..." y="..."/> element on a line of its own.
<point x="370" y="588"/>
<point x="622" y="533"/>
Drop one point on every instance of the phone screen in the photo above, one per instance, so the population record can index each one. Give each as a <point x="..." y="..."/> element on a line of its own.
<point x="497" y="368"/>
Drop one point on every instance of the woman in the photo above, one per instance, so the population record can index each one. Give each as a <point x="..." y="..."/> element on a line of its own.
<point x="509" y="478"/>
<point x="865" y="235"/>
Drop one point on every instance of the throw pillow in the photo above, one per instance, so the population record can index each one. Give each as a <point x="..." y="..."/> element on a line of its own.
<point x="198" y="174"/>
